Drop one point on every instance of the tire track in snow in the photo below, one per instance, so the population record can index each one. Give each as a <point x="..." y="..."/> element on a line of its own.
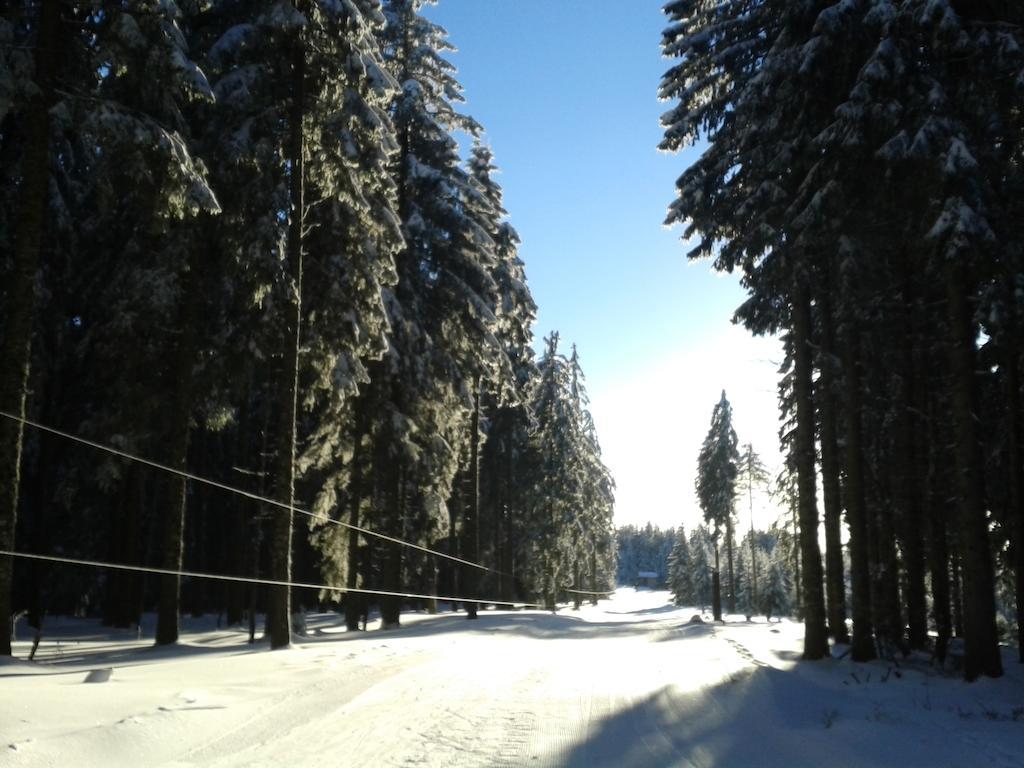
<point x="248" y="742"/>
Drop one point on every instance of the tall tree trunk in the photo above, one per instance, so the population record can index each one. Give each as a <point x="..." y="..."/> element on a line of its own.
<point x="506" y="560"/>
<point x="354" y="601"/>
<point x="279" y="605"/>
<point x="909" y="471"/>
<point x="863" y="641"/>
<point x="815" y="633"/>
<point x="910" y="497"/>
<point x="798" y="609"/>
<point x="172" y="503"/>
<point x="753" y="535"/>
<point x="577" y="576"/>
<point x="914" y="568"/>
<point x="1011" y="379"/>
<point x="957" y="599"/>
<point x="593" y="575"/>
<point x="881" y="535"/>
<point x="16" y="344"/>
<point x="835" y="583"/>
<point x="391" y="553"/>
<point x="121" y="548"/>
<point x="981" y="640"/>
<point x="471" y="509"/>
<point x="889" y="621"/>
<point x="729" y="536"/>
<point x="716" y="584"/>
<point x="938" y="544"/>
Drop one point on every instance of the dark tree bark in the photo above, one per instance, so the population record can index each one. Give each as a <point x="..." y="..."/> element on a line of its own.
<point x="798" y="609"/>
<point x="815" y="633"/>
<point x="171" y="509"/>
<point x="835" y="585"/>
<point x="122" y="605"/>
<point x="881" y="535"/>
<point x="981" y="640"/>
<point x="16" y="342"/>
<point x="957" y="598"/>
<point x="937" y="497"/>
<point x="391" y="554"/>
<point x="471" y="509"/>
<point x="862" y="646"/>
<point x="910" y="493"/>
<point x="889" y="625"/>
<point x="354" y="602"/>
<point x="1011" y="383"/>
<point x="914" y="566"/>
<point x="279" y="604"/>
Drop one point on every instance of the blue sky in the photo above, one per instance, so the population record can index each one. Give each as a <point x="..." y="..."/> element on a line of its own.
<point x="566" y="91"/>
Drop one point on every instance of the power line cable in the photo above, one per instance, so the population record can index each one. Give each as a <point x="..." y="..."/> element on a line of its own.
<point x="254" y="580"/>
<point x="246" y="494"/>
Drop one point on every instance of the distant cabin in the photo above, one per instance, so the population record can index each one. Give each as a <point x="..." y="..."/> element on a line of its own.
<point x="647" y="579"/>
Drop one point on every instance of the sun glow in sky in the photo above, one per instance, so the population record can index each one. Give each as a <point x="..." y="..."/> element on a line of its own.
<point x="567" y="94"/>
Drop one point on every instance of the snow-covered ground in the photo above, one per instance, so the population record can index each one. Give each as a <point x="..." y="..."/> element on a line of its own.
<point x="628" y="683"/>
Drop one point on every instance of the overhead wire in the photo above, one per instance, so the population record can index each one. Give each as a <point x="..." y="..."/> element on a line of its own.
<point x="254" y="580"/>
<point x="246" y="494"/>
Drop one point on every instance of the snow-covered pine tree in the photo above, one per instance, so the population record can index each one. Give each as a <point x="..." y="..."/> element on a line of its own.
<point x="354" y="235"/>
<point x="716" y="484"/>
<point x="680" y="570"/>
<point x="569" y="519"/>
<point x="32" y="106"/>
<point x="701" y="568"/>
<point x="592" y="526"/>
<point x="557" y="481"/>
<point x="303" y="141"/>
<point x="442" y="310"/>
<point x="735" y="84"/>
<point x="154" y="82"/>
<point x="751" y="475"/>
<point x="506" y="397"/>
<point x="775" y="596"/>
<point x="115" y="278"/>
<point x="745" y="603"/>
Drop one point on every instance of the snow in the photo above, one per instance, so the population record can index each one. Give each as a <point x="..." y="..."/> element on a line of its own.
<point x="631" y="682"/>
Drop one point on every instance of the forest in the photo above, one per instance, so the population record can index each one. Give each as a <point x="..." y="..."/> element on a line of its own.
<point x="863" y="176"/>
<point x="262" y="317"/>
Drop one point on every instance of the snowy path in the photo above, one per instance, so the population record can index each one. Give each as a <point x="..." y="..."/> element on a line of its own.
<point x="630" y="683"/>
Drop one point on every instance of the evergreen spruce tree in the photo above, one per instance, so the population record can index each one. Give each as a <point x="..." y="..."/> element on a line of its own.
<point x="701" y="572"/>
<point x="424" y="394"/>
<point x="775" y="600"/>
<point x="20" y="288"/>
<point x="558" y="478"/>
<point x="305" y="140"/>
<point x="716" y="484"/>
<point x="680" y="570"/>
<point x="751" y="475"/>
<point x="130" y="288"/>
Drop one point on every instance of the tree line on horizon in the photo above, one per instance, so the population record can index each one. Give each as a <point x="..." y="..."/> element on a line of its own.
<point x="863" y="175"/>
<point x="763" y="580"/>
<point x="239" y="239"/>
